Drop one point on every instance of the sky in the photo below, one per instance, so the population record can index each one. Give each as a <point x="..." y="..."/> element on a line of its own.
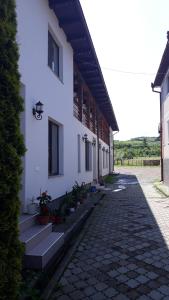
<point x="129" y="37"/>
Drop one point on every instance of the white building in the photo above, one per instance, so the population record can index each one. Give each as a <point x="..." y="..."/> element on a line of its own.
<point x="73" y="139"/>
<point x="59" y="67"/>
<point x="161" y="86"/>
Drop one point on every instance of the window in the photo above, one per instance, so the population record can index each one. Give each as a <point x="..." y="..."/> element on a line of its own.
<point x="79" y="153"/>
<point x="88" y="156"/>
<point x="104" y="158"/>
<point x="53" y="55"/>
<point x="53" y="144"/>
<point x="107" y="158"/>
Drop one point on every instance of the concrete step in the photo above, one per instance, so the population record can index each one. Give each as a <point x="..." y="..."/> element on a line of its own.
<point x="34" y="235"/>
<point x="40" y="255"/>
<point x="26" y="221"/>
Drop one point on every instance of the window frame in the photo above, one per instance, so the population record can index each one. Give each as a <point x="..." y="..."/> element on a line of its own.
<point x="56" y="58"/>
<point x="50" y="154"/>
<point x="88" y="156"/>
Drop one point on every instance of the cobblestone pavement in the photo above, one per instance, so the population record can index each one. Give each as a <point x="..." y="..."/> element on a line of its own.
<point x="124" y="252"/>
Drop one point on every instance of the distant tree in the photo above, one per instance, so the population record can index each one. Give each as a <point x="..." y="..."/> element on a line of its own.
<point x="144" y="142"/>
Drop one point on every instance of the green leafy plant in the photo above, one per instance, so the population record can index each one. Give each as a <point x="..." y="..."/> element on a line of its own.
<point x="44" y="200"/>
<point x="11" y="150"/>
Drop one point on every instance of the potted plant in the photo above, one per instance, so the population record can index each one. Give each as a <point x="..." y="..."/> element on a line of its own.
<point x="43" y="217"/>
<point x="70" y="203"/>
<point x="57" y="216"/>
<point x="83" y="193"/>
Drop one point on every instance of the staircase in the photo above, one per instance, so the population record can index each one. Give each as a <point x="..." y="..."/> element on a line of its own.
<point x="41" y="244"/>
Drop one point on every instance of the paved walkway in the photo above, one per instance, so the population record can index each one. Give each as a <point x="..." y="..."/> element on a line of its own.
<point x="124" y="252"/>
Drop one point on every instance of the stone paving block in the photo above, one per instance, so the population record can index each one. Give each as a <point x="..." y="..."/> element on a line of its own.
<point x="63" y="281"/>
<point x="68" y="289"/>
<point x="144" y="297"/>
<point x="68" y="273"/>
<point x="151" y="275"/>
<point x="132" y="267"/>
<point x="113" y="273"/>
<point x="83" y="276"/>
<point x="88" y="291"/>
<point x="122" y="278"/>
<point x="121" y="297"/>
<point x="76" y="271"/>
<point x="77" y="295"/>
<point x="132" y="295"/>
<point x="80" y="284"/>
<point x="164" y="289"/>
<point x="100" y="286"/>
<point x="132" y="274"/>
<point x="132" y="283"/>
<point x="156" y="295"/>
<point x="123" y="270"/>
<point x="92" y="281"/>
<point x="110" y="292"/>
<point x="63" y="297"/>
<point x="142" y="279"/>
<point x="98" y="296"/>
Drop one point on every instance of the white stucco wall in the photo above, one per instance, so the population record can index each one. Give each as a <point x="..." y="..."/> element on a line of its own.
<point x="165" y="126"/>
<point x="41" y="84"/>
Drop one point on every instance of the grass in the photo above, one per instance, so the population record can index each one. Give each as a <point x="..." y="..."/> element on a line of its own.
<point x="162" y="188"/>
<point x="110" y="179"/>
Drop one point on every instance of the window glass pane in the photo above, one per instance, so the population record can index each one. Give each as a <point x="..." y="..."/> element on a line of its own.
<point x="87" y="155"/>
<point x="50" y="51"/>
<point x="79" y="153"/>
<point x="56" y="59"/>
<point x="53" y="55"/>
<point x="90" y="156"/>
<point x="53" y="149"/>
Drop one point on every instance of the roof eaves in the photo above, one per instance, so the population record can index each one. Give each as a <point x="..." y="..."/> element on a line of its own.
<point x="93" y="63"/>
<point x="162" y="70"/>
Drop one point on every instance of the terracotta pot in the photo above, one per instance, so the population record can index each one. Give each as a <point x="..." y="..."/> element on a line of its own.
<point x="58" y="219"/>
<point x="43" y="220"/>
<point x="52" y="219"/>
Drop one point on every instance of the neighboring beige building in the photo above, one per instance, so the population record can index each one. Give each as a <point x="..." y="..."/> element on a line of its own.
<point x="161" y="86"/>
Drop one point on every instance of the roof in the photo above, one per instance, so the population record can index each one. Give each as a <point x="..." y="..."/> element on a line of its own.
<point x="72" y="21"/>
<point x="164" y="65"/>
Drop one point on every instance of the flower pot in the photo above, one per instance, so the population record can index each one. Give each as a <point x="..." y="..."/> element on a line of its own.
<point x="43" y="220"/>
<point x="52" y="219"/>
<point x="72" y="209"/>
<point x="58" y="219"/>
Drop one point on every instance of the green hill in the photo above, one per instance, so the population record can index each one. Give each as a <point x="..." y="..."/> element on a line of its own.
<point x="137" y="147"/>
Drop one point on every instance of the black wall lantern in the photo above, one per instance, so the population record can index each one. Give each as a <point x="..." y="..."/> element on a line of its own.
<point x="38" y="110"/>
<point x="84" y="138"/>
<point x="94" y="142"/>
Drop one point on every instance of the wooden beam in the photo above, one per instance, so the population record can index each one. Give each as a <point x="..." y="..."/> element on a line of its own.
<point x="97" y="84"/>
<point x="90" y="72"/>
<point x="58" y="3"/>
<point x="76" y="38"/>
<point x="68" y="21"/>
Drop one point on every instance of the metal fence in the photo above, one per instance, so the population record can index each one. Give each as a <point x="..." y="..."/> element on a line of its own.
<point x="137" y="162"/>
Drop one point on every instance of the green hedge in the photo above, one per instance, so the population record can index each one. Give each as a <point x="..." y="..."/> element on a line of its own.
<point x="11" y="150"/>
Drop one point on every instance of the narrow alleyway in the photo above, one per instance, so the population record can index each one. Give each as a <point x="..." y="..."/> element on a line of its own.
<point x="124" y="252"/>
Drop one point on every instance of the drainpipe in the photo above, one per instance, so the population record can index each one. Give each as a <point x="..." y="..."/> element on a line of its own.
<point x="161" y="130"/>
<point x="98" y="155"/>
<point x="113" y="149"/>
